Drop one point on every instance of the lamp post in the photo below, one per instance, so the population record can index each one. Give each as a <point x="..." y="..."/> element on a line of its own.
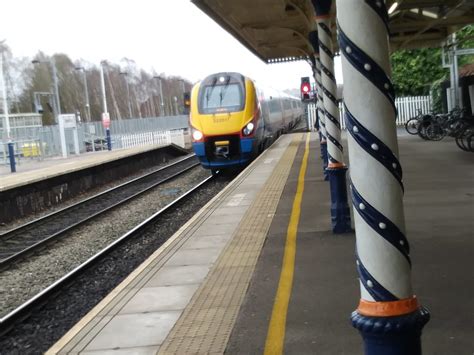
<point x="5" y="102"/>
<point x="125" y="74"/>
<point x="183" y="89"/>
<point x="102" y="87"/>
<point x="57" y="104"/>
<point x="11" y="152"/>
<point x="176" y="105"/>
<point x="162" y="104"/>
<point x="105" y="113"/>
<point x="86" y="92"/>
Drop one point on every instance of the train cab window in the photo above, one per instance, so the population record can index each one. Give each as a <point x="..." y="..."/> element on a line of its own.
<point x="221" y="98"/>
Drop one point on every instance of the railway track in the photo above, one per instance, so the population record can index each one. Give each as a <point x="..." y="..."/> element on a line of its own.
<point x="18" y="242"/>
<point x="26" y="308"/>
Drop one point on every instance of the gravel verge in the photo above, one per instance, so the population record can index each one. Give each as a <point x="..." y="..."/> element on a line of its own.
<point x="46" y="325"/>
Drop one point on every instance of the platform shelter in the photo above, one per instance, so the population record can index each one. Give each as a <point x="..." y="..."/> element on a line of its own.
<point x="389" y="316"/>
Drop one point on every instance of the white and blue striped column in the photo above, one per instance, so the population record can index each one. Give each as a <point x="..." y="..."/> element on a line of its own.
<point x="340" y="214"/>
<point x="388" y="316"/>
<point x="313" y="38"/>
<point x="320" y="100"/>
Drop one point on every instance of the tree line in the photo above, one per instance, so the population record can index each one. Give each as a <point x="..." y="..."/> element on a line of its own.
<point x="23" y="79"/>
<point x="415" y="72"/>
<point x="420" y="71"/>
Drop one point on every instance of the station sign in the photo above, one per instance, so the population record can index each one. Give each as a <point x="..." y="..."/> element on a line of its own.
<point x="105" y="120"/>
<point x="64" y="122"/>
<point x="67" y="121"/>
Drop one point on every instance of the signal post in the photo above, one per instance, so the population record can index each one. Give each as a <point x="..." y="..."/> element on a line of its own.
<point x="105" y="114"/>
<point x="305" y="90"/>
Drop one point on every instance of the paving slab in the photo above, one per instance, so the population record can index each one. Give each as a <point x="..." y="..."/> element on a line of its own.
<point x="205" y="256"/>
<point x="142" y="350"/>
<point x="179" y="275"/>
<point x="163" y="298"/>
<point x="207" y="241"/>
<point x="134" y="330"/>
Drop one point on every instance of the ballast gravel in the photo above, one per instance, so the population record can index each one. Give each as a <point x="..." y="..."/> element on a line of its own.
<point x="46" y="325"/>
<point x="28" y="277"/>
<point x="20" y="221"/>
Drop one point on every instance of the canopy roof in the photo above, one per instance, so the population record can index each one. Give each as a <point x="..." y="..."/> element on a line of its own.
<point x="277" y="30"/>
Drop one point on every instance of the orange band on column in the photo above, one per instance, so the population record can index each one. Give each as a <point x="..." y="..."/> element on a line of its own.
<point x="335" y="165"/>
<point x="322" y="17"/>
<point x="388" y="309"/>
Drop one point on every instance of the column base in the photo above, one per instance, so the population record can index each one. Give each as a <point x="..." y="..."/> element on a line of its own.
<point x="340" y="213"/>
<point x="399" y="335"/>
<point x="324" y="156"/>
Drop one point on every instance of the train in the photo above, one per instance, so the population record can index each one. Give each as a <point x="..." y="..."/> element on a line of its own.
<point x="232" y="120"/>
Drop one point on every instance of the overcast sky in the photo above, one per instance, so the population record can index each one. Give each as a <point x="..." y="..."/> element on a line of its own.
<point x="175" y="38"/>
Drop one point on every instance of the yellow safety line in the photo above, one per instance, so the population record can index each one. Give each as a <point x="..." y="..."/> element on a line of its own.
<point x="276" y="329"/>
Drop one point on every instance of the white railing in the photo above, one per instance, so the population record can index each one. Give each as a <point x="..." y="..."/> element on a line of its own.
<point x="407" y="108"/>
<point x="311" y="119"/>
<point x="159" y="138"/>
<point x="312" y="111"/>
<point x="22" y="120"/>
<point x="410" y="106"/>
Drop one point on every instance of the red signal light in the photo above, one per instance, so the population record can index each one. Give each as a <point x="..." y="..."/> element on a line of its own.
<point x="305" y="88"/>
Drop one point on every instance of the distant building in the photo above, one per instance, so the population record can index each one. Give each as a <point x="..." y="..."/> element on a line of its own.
<point x="466" y="85"/>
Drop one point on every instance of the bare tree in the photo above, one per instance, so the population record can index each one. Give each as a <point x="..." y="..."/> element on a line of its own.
<point x="24" y="79"/>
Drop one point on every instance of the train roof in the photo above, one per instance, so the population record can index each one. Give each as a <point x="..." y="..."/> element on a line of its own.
<point x="268" y="91"/>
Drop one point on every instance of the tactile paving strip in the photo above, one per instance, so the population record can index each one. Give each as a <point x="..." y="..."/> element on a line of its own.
<point x="206" y="323"/>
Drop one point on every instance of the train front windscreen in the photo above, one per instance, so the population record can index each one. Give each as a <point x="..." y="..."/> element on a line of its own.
<point x="221" y="94"/>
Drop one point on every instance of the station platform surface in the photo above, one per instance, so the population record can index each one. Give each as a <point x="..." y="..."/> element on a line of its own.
<point x="32" y="170"/>
<point x="211" y="288"/>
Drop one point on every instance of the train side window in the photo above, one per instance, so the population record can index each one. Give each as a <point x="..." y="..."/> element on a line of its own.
<point x="263" y="102"/>
<point x="274" y="105"/>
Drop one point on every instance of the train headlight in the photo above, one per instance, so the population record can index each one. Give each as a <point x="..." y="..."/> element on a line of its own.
<point x="248" y="129"/>
<point x="197" y="135"/>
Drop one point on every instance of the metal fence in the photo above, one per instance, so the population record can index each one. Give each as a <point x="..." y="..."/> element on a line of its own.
<point x="24" y="149"/>
<point x="21" y="124"/>
<point x="407" y="107"/>
<point x="157" y="138"/>
<point x="40" y="142"/>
